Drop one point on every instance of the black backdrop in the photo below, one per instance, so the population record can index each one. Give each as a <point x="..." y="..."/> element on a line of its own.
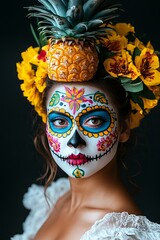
<point x="20" y="165"/>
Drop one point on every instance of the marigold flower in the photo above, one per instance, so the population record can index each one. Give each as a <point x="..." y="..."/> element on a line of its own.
<point x="32" y="71"/>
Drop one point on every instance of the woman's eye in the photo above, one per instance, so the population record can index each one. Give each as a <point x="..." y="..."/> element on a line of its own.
<point x="93" y="122"/>
<point x="59" y="123"/>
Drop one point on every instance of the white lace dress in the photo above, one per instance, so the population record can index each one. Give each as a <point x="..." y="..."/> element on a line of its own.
<point x="113" y="226"/>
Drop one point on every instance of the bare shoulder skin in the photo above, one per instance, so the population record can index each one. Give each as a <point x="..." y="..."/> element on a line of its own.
<point x="88" y="200"/>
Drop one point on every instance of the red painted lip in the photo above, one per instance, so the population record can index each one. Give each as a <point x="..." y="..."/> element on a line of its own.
<point x="76" y="159"/>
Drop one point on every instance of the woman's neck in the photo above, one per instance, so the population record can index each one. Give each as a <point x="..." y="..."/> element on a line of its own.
<point x="104" y="183"/>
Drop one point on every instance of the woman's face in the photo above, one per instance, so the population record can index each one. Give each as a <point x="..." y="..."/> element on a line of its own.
<point x="82" y="129"/>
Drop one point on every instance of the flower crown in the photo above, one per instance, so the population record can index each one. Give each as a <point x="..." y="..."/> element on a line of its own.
<point x="65" y="58"/>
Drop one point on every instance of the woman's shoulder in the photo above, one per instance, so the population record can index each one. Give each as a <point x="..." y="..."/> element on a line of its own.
<point x="122" y="225"/>
<point x="39" y="207"/>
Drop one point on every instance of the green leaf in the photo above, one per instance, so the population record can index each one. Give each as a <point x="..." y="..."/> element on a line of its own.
<point x="137" y="99"/>
<point x="137" y="80"/>
<point x="131" y="85"/>
<point x="147" y="93"/>
<point x="54" y="100"/>
<point x="38" y="36"/>
<point x="125" y="80"/>
<point x="34" y="35"/>
<point x="104" y="54"/>
<point x="90" y="7"/>
<point x="136" y="52"/>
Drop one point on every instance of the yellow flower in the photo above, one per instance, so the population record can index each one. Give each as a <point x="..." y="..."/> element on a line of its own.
<point x="114" y="43"/>
<point x="121" y="66"/>
<point x="127" y="58"/>
<point x="156" y="91"/>
<point x="149" y="45"/>
<point x="149" y="103"/>
<point x="121" y="29"/>
<point x="135" y="119"/>
<point x="136" y="44"/>
<point x="32" y="70"/>
<point x="148" y="64"/>
<point x="124" y="28"/>
<point x="41" y="112"/>
<point x="138" y="113"/>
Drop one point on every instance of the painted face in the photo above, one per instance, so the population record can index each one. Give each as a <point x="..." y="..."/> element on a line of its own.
<point x="82" y="129"/>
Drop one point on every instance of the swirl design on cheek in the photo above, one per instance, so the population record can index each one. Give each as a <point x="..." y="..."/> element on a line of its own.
<point x="96" y="121"/>
<point x="60" y="122"/>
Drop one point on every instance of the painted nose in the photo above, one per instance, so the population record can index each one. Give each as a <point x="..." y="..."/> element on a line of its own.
<point x="76" y="140"/>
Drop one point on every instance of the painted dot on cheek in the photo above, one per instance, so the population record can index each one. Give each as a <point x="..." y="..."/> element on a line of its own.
<point x="83" y="105"/>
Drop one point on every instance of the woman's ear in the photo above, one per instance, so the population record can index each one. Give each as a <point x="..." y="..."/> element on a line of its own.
<point x="124" y="131"/>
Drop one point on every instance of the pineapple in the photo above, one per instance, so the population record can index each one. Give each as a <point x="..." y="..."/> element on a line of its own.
<point x="72" y="28"/>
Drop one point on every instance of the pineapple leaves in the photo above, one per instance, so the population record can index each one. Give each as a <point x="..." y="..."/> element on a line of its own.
<point x="103" y="13"/>
<point x="40" y="39"/>
<point x="74" y="3"/>
<point x="34" y="35"/>
<point x="73" y="18"/>
<point x="89" y="7"/>
<point x="88" y="25"/>
<point x="37" y="9"/>
<point x="52" y="6"/>
<point x="59" y="7"/>
<point x="53" y="19"/>
<point x="75" y="14"/>
<point x="45" y="5"/>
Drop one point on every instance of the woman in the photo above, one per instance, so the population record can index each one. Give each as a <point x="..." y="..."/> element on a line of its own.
<point x="90" y="85"/>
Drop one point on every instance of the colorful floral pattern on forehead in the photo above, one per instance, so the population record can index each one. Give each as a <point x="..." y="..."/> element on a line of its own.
<point x="76" y="98"/>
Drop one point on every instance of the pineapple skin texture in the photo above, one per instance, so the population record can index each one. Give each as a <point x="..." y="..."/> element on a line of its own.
<point x="72" y="61"/>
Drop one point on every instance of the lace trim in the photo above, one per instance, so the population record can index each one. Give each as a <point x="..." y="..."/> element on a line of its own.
<point x="113" y="226"/>
<point x="34" y="200"/>
<point x="123" y="226"/>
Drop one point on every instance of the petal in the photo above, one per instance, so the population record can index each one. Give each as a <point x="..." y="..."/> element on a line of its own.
<point x="152" y="79"/>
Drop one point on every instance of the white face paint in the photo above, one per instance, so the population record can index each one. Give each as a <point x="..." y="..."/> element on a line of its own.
<point x="82" y="129"/>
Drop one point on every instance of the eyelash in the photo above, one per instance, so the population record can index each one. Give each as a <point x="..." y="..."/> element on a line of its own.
<point x="59" y="120"/>
<point x="95" y="118"/>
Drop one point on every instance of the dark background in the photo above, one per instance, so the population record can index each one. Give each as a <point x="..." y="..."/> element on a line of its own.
<point x="20" y="165"/>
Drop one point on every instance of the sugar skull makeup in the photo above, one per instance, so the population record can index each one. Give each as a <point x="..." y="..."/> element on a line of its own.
<point x="81" y="129"/>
